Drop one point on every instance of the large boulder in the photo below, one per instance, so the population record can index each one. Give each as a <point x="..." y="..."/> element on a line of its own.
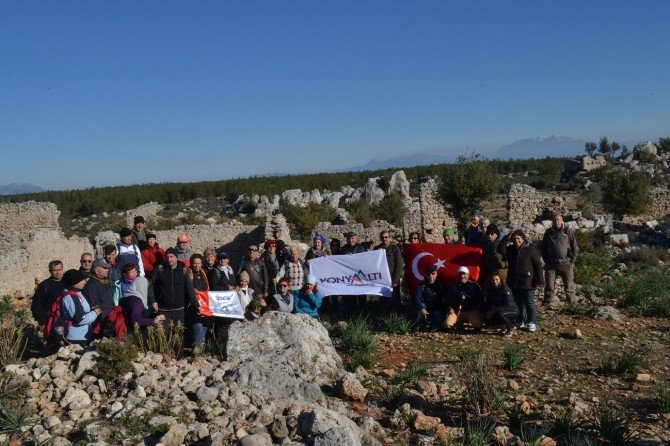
<point x="646" y="146"/>
<point x="399" y="184"/>
<point x="592" y="163"/>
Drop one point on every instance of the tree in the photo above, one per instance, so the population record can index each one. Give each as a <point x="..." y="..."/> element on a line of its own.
<point x="464" y="185"/>
<point x="590" y="148"/>
<point x="615" y="147"/>
<point x="626" y="193"/>
<point x="604" y="146"/>
<point x="663" y="145"/>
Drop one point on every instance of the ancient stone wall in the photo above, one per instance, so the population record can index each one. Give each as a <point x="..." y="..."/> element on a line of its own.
<point x="147" y="210"/>
<point x="660" y="202"/>
<point x="28" y="216"/>
<point x="365" y="235"/>
<point x="525" y="204"/>
<point x="427" y="215"/>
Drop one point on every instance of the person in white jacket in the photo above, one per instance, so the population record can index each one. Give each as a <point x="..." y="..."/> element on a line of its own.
<point x="128" y="252"/>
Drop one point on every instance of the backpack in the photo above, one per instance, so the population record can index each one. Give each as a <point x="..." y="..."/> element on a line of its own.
<point x="57" y="324"/>
<point x="126" y="257"/>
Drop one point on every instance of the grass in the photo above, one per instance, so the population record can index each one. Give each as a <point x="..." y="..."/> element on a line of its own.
<point x="614" y="426"/>
<point x="662" y="401"/>
<point x="13" y="339"/>
<point x="513" y="357"/>
<point x="465" y="354"/>
<point x="515" y="416"/>
<point x="628" y="362"/>
<point x="478" y="433"/>
<point x="412" y="375"/>
<point x="564" y="422"/>
<point x="532" y="437"/>
<point x="396" y="324"/>
<point x="158" y="339"/>
<point x="575" y="309"/>
<point x="392" y="396"/>
<point x="13" y="422"/>
<point x="359" y="342"/>
<point x="483" y="390"/>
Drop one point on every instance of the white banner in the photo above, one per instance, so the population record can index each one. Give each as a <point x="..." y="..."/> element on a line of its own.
<point x="220" y="303"/>
<point x="364" y="273"/>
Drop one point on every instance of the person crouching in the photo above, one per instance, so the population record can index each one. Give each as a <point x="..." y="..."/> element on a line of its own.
<point x="464" y="301"/>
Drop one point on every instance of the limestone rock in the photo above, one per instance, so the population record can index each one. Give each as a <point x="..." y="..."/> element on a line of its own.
<point x="75" y="399"/>
<point x="86" y="362"/>
<point x="617" y="239"/>
<point x="258" y="439"/>
<point x="399" y="184"/>
<point x="337" y="436"/>
<point x="175" y="436"/>
<point x="351" y="388"/>
<point x="608" y="313"/>
<point x="371" y="192"/>
<point x="592" y="163"/>
<point x="646" y="146"/>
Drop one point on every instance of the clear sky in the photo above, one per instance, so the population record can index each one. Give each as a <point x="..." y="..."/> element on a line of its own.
<point x="98" y="93"/>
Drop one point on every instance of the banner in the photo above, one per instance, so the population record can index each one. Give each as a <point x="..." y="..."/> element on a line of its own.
<point x="364" y="273"/>
<point x="220" y="303"/>
<point x="447" y="259"/>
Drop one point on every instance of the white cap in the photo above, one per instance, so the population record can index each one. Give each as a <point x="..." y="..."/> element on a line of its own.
<point x="463" y="269"/>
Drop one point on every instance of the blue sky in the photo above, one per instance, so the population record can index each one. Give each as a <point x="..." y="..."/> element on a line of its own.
<point x="102" y="93"/>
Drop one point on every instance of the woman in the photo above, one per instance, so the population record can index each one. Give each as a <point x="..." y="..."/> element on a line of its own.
<point x="283" y="300"/>
<point x="294" y="270"/>
<point x="414" y="237"/>
<point x="244" y="293"/>
<point x="271" y="262"/>
<point x="152" y="255"/>
<point x="523" y="276"/>
<point x="129" y="275"/>
<point x="308" y="300"/>
<point x="335" y="246"/>
<point x="136" y="300"/>
<point x="501" y="307"/>
<point x="76" y="310"/>
<point x="200" y="324"/>
<point x="318" y="249"/>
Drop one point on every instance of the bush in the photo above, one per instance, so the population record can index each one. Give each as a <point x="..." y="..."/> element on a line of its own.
<point x="360" y="211"/>
<point x="13" y="393"/>
<point x="13" y="339"/>
<point x="591" y="267"/>
<point x="626" y="193"/>
<point x="513" y="357"/>
<point x="303" y="219"/>
<point x="396" y="323"/>
<point x="483" y="391"/>
<point x="628" y="362"/>
<point x="648" y="293"/>
<point x="643" y="257"/>
<point x="391" y="208"/>
<point x="359" y="342"/>
<point x="478" y="433"/>
<point x="590" y="241"/>
<point x="662" y="400"/>
<point x="116" y="359"/>
<point x="565" y="422"/>
<point x="158" y="339"/>
<point x="613" y="425"/>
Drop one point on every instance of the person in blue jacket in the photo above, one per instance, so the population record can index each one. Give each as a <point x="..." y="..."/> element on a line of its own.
<point x="308" y="300"/>
<point x="76" y="310"/>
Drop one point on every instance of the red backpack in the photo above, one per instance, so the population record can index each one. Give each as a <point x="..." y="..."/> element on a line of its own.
<point x="57" y="325"/>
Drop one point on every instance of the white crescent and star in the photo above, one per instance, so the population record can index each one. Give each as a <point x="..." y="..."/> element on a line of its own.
<point x="415" y="264"/>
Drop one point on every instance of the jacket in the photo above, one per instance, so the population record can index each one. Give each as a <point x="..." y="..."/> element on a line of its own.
<point x="125" y="252"/>
<point x="430" y="296"/>
<point x="258" y="276"/>
<point x="525" y="267"/>
<point x="173" y="288"/>
<point x="472" y="293"/>
<point x="308" y="303"/>
<point x="500" y="298"/>
<point x="356" y="249"/>
<point x="99" y="295"/>
<point x="395" y="261"/>
<point x="558" y="247"/>
<point x="282" y="303"/>
<point x="45" y="295"/>
<point x="151" y="257"/>
<point x="82" y="324"/>
<point x="221" y="278"/>
<point x="492" y="260"/>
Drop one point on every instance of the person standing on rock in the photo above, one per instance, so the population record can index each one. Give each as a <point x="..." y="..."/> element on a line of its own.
<point x="183" y="250"/>
<point x="152" y="255"/>
<point x="199" y="324"/>
<point x="294" y="270"/>
<point x="47" y="292"/>
<point x="209" y="263"/>
<point x="221" y="277"/>
<point x="396" y="265"/>
<point x="272" y="263"/>
<point x="492" y="260"/>
<point x="352" y="304"/>
<point x="474" y="233"/>
<point x="559" y="251"/>
<point x="76" y="310"/>
<point x="524" y="276"/>
<point x="98" y="293"/>
<point x="139" y="232"/>
<point x="259" y="280"/>
<point x="109" y="254"/>
<point x="449" y="236"/>
<point x="318" y="249"/>
<point x="352" y="246"/>
<point x="85" y="263"/>
<point x="173" y="289"/>
<point x="128" y="252"/>
<point x="282" y="301"/>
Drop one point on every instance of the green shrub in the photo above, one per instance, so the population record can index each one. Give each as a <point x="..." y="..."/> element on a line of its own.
<point x="359" y="342"/>
<point x="158" y="339"/>
<point x="576" y="309"/>
<point x="513" y="357"/>
<point x="515" y="416"/>
<point x="360" y="211"/>
<point x="662" y="399"/>
<point x="392" y="396"/>
<point x="303" y="219"/>
<point x="613" y="425"/>
<point x="13" y="339"/>
<point x="116" y="359"/>
<point x="412" y="375"/>
<point x="565" y="422"/>
<point x="391" y="208"/>
<point x="478" y="433"/>
<point x="465" y="354"/>
<point x="483" y="390"/>
<point x="395" y="323"/>
<point x="13" y="392"/>
<point x="648" y="293"/>
<point x="626" y="193"/>
<point x="532" y="437"/>
<point x="627" y="362"/>
<point x="14" y="423"/>
<point x="591" y="267"/>
<point x="591" y="241"/>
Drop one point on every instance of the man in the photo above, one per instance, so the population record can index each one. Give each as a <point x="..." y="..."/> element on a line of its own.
<point x="449" y="236"/>
<point x="492" y="260"/>
<point x="209" y="255"/>
<point x="559" y="251"/>
<point x="47" y="292"/>
<point x="221" y="277"/>
<point x="395" y="263"/>
<point x="464" y="301"/>
<point x="173" y="289"/>
<point x="139" y="232"/>
<point x="109" y="254"/>
<point x="272" y="263"/>
<point x="352" y="246"/>
<point x="128" y="252"/>
<point x="85" y="262"/>
<point x="183" y="250"/>
<point x="98" y="293"/>
<point x="429" y="300"/>
<point x="259" y="280"/>
<point x="473" y="235"/>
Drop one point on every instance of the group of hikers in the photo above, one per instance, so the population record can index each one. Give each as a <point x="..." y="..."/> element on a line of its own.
<point x="139" y="284"/>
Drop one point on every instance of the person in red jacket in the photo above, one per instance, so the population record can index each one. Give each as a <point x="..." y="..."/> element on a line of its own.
<point x="153" y="255"/>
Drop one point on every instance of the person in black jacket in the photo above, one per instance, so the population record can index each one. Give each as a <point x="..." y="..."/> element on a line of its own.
<point x="222" y="277"/>
<point x="500" y="307"/>
<point x="523" y="276"/>
<point x="429" y="300"/>
<point x="98" y="293"/>
<point x="464" y="301"/>
<point x="47" y="292"/>
<point x="492" y="260"/>
<point x="173" y="289"/>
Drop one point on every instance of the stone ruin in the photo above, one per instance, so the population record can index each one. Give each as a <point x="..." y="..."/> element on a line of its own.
<point x="30" y="237"/>
<point x="525" y="204"/>
<point x="426" y="214"/>
<point x="147" y="210"/>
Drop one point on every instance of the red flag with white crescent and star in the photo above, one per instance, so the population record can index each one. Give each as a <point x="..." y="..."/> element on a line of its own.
<point x="447" y="259"/>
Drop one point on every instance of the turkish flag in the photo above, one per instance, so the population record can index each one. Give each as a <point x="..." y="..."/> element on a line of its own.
<point x="447" y="258"/>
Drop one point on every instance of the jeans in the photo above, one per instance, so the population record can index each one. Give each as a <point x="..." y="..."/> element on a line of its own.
<point x="567" y="273"/>
<point x="199" y="333"/>
<point x="525" y="299"/>
<point x="435" y="317"/>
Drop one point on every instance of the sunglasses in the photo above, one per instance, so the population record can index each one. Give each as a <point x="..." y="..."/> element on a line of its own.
<point x="86" y="261"/>
<point x="253" y="249"/>
<point x="283" y="285"/>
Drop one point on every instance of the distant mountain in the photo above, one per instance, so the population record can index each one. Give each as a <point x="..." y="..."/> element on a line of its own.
<point x="419" y="159"/>
<point x="16" y="188"/>
<point x="554" y="146"/>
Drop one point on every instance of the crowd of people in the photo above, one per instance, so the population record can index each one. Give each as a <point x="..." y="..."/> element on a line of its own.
<point x="138" y="283"/>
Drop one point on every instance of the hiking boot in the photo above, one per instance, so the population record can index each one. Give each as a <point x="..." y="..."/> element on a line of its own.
<point x="531" y="327"/>
<point x="520" y="325"/>
<point x="508" y="333"/>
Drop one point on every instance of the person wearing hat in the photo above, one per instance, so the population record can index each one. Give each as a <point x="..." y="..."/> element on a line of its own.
<point x="308" y="300"/>
<point x="474" y="233"/>
<point x="244" y="293"/>
<point x="282" y="300"/>
<point x="139" y="232"/>
<point x="259" y="280"/>
<point x="183" y="249"/>
<point x="352" y="246"/>
<point x="47" y="292"/>
<point x="492" y="259"/>
<point x="128" y="252"/>
<point x="464" y="302"/>
<point x="76" y="310"/>
<point x="98" y="291"/>
<point x="152" y="255"/>
<point x="318" y="248"/>
<point x="222" y="277"/>
<point x="272" y="262"/>
<point x="429" y="300"/>
<point x="449" y="236"/>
